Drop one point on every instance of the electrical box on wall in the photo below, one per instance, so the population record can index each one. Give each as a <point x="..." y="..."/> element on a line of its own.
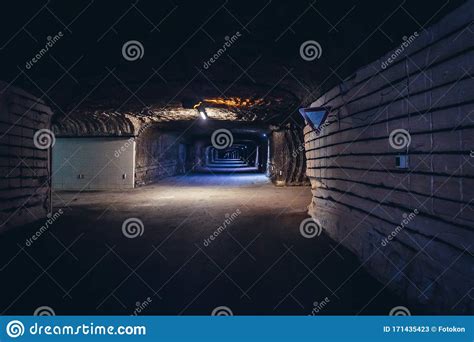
<point x="401" y="161"/>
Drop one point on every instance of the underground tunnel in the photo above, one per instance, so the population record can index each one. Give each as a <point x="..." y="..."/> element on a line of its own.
<point x="264" y="158"/>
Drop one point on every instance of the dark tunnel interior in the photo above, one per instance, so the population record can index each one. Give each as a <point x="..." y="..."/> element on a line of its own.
<point x="262" y="157"/>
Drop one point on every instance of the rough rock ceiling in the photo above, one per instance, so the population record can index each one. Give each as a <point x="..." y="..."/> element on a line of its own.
<point x="120" y="110"/>
<point x="261" y="77"/>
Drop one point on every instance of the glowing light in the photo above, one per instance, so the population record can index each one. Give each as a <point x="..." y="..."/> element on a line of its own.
<point x="230" y="102"/>
<point x="234" y="102"/>
<point x="203" y="114"/>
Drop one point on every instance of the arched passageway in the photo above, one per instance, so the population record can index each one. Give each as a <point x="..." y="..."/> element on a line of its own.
<point x="229" y="157"/>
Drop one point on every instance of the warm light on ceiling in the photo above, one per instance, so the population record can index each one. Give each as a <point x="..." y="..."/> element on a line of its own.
<point x="235" y="102"/>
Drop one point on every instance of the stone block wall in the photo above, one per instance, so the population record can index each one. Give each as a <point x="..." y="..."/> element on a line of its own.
<point x="413" y="228"/>
<point x="158" y="154"/>
<point x="287" y="162"/>
<point x="24" y="168"/>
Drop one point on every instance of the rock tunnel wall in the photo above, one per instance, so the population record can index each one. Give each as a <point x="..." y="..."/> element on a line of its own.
<point x="25" y="168"/>
<point x="287" y="164"/>
<point x="412" y="228"/>
<point x="158" y="155"/>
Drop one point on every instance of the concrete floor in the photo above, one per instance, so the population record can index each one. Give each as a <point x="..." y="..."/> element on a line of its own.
<point x="260" y="264"/>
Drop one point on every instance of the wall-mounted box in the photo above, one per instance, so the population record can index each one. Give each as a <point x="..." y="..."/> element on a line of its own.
<point x="402" y="161"/>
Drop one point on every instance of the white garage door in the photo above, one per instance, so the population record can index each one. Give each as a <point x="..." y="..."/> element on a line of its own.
<point x="93" y="163"/>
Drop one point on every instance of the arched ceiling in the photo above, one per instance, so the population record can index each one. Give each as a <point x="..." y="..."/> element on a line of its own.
<point x="114" y="109"/>
<point x="241" y="59"/>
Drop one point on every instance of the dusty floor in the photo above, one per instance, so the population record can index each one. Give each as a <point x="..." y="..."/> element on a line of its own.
<point x="259" y="264"/>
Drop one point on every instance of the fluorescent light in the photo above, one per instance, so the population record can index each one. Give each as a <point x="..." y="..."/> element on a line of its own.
<point x="203" y="114"/>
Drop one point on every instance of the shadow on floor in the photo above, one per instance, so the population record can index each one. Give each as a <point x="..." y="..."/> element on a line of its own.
<point x="256" y="264"/>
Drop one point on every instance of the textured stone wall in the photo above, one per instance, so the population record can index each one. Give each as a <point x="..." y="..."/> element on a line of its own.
<point x="158" y="155"/>
<point x="287" y="162"/>
<point x="24" y="168"/>
<point x="412" y="228"/>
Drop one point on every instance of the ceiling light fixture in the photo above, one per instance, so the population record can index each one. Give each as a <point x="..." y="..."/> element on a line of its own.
<point x="201" y="110"/>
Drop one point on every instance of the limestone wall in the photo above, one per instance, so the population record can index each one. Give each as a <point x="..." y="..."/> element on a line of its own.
<point x="412" y="228"/>
<point x="24" y="167"/>
<point x="158" y="155"/>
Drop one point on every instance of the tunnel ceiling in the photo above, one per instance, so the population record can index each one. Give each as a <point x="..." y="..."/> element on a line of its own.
<point x="261" y="76"/>
<point x="169" y="102"/>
